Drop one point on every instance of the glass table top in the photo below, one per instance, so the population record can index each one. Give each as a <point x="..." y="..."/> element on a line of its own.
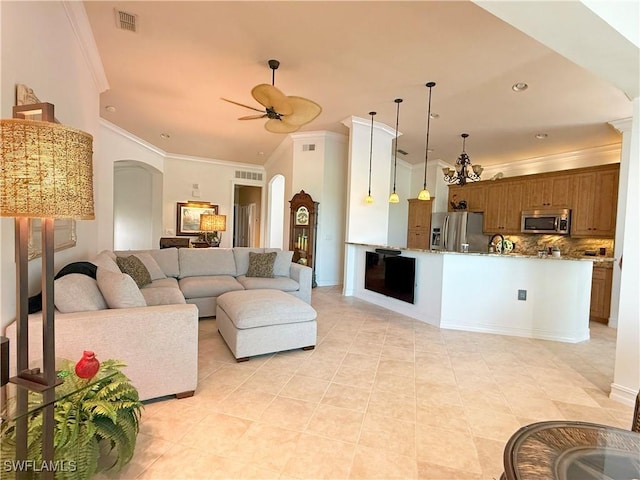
<point x="567" y="450"/>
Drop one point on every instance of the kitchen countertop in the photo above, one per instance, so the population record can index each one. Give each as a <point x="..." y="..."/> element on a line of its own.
<point x="605" y="261"/>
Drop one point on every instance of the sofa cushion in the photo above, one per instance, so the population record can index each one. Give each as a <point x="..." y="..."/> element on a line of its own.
<point x="76" y="292"/>
<point x="119" y="289"/>
<point x="208" y="286"/>
<point x="151" y="265"/>
<point x="241" y="256"/>
<point x="164" y="282"/>
<point x="106" y="260"/>
<point x="261" y="264"/>
<point x="264" y="307"/>
<point x="282" y="264"/>
<point x="284" y="284"/>
<point x="162" y="296"/>
<point x="196" y="262"/>
<point x="134" y="267"/>
<point x="166" y="258"/>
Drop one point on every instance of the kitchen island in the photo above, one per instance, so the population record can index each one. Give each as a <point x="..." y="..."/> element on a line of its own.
<point x="480" y="292"/>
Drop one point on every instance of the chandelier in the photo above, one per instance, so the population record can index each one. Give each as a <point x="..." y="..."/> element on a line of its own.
<point x="464" y="171"/>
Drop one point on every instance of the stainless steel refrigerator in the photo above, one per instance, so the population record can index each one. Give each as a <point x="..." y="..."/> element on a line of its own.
<point x="450" y="230"/>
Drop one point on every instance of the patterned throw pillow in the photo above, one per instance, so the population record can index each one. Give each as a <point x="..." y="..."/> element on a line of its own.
<point x="261" y="264"/>
<point x="134" y="267"/>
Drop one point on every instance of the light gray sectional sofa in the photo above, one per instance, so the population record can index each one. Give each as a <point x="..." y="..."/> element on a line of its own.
<point x="203" y="274"/>
<point x="153" y="329"/>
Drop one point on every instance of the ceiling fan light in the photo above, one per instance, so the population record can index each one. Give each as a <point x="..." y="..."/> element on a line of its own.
<point x="424" y="195"/>
<point x="394" y="198"/>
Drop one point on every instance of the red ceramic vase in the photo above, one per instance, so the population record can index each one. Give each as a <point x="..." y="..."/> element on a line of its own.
<point x="88" y="365"/>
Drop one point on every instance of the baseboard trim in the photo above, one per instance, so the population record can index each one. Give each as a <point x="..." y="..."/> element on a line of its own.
<point x="623" y="394"/>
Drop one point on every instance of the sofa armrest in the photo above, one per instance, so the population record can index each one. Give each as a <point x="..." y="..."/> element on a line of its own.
<point x="302" y="275"/>
<point x="159" y="344"/>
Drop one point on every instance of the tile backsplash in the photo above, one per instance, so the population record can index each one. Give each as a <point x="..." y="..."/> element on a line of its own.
<point x="569" y="247"/>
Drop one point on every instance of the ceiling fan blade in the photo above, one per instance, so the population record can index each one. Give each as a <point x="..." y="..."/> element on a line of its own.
<point x="241" y="105"/>
<point x="252" y="117"/>
<point x="304" y="111"/>
<point x="270" y="96"/>
<point x="278" y="126"/>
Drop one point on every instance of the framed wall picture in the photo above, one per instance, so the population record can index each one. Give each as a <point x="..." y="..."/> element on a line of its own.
<point x="188" y="216"/>
<point x="64" y="236"/>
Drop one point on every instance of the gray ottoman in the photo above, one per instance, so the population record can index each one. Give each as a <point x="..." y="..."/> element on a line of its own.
<point x="255" y="322"/>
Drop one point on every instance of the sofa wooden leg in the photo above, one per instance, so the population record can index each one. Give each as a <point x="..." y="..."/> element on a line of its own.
<point x="243" y="359"/>
<point x="186" y="394"/>
<point x="310" y="347"/>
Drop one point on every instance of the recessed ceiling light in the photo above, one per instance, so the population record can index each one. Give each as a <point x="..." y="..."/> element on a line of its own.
<point x="165" y="135"/>
<point x="519" y="87"/>
<point x="261" y="153"/>
<point x="110" y="108"/>
<point x="541" y="136"/>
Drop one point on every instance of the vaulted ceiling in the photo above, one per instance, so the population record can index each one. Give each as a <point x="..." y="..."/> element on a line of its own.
<point x="168" y="77"/>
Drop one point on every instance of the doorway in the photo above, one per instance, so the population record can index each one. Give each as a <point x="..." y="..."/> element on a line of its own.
<point x="247" y="208"/>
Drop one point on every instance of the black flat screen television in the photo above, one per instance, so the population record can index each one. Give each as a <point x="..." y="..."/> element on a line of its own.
<point x="390" y="274"/>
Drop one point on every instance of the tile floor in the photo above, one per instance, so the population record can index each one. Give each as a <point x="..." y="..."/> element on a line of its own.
<point x="382" y="396"/>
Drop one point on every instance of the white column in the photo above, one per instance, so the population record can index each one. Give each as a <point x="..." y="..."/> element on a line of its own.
<point x="626" y="377"/>
<point x="368" y="223"/>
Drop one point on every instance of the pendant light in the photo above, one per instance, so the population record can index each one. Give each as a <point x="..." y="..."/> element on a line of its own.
<point x="394" y="198"/>
<point x="369" y="198"/>
<point x="424" y="193"/>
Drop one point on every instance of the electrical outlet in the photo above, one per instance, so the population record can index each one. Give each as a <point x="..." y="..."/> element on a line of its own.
<point x="522" y="294"/>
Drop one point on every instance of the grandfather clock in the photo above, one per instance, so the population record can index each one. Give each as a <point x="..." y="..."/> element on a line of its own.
<point x="302" y="231"/>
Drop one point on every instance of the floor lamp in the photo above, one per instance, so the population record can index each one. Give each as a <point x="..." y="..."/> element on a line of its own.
<point x="46" y="172"/>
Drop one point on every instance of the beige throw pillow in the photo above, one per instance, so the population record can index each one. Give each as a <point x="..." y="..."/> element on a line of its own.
<point x="76" y="292"/>
<point x="119" y="289"/>
<point x="261" y="264"/>
<point x="134" y="267"/>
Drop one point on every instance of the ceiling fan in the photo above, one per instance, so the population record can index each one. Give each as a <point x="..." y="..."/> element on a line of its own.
<point x="285" y="114"/>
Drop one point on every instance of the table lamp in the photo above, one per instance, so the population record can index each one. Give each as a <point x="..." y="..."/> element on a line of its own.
<point x="213" y="224"/>
<point x="46" y="172"/>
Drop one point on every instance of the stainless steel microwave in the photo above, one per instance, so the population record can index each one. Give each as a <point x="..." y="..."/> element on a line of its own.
<point x="554" y="222"/>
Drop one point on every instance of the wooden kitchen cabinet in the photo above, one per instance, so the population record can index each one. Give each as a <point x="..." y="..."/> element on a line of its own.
<point x="548" y="192"/>
<point x="419" y="223"/>
<point x="600" y="294"/>
<point x="503" y="208"/>
<point x="473" y="193"/>
<point x="595" y="203"/>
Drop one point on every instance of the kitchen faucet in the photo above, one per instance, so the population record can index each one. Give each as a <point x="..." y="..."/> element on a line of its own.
<point x="495" y="245"/>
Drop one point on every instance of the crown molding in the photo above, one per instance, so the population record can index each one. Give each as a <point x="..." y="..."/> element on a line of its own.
<point x="175" y="156"/>
<point x="86" y="41"/>
<point x="351" y="121"/>
<point x="320" y="134"/>
<point x="623" y="125"/>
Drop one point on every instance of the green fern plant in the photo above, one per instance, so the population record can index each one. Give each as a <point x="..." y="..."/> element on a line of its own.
<point x="96" y="425"/>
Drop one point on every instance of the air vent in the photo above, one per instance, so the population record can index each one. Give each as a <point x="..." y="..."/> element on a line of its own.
<point x="249" y="175"/>
<point x="309" y="147"/>
<point x="402" y="152"/>
<point x="126" y="21"/>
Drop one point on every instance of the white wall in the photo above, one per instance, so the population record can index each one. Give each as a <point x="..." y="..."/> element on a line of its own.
<point x="399" y="212"/>
<point x="322" y="174"/>
<point x="39" y="48"/>
<point x="281" y="163"/>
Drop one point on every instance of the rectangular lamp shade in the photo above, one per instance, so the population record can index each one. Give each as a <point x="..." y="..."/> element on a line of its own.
<point x="46" y="170"/>
<point x="213" y="223"/>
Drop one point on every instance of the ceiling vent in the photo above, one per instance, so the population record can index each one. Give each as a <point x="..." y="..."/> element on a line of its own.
<point x="126" y="21"/>
<point x="402" y="152"/>
<point x="249" y="175"/>
<point x="309" y="147"/>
